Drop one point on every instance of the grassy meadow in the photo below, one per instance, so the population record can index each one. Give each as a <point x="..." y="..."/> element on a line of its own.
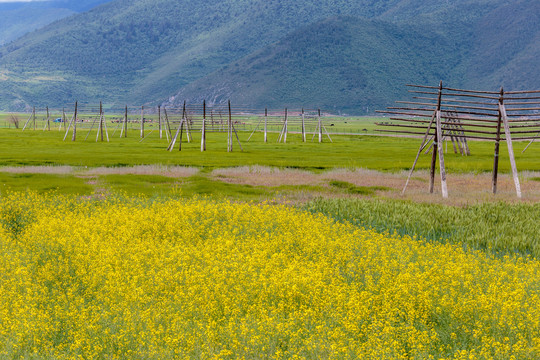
<point x="300" y="250"/>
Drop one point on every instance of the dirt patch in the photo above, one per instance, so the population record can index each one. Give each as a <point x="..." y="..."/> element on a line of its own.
<point x="171" y="171"/>
<point x="463" y="189"/>
<point x="57" y="170"/>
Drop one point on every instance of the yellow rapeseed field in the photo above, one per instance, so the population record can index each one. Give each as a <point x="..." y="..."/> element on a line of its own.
<point x="200" y="279"/>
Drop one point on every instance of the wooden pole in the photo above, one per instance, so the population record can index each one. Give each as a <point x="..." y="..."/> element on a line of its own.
<point x="529" y="144"/>
<point x="142" y="122"/>
<point x="91" y="127"/>
<point x="203" y="129"/>
<point x="265" y="125"/>
<point x="104" y="123"/>
<point x="320" y="126"/>
<point x="159" y="121"/>
<point x="124" y="125"/>
<point x="75" y="123"/>
<point x="48" y="120"/>
<point x="229" y="130"/>
<point x="303" y="127"/>
<point x="436" y="141"/>
<point x="168" y="130"/>
<point x="27" y="121"/>
<point x="184" y="120"/>
<point x="286" y="126"/>
<point x="419" y="152"/>
<point x="72" y="119"/>
<point x="508" y="136"/>
<point x="497" y="146"/>
<point x="101" y="120"/>
<point x="444" y="188"/>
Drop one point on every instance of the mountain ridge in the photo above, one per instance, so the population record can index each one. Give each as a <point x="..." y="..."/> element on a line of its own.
<point x="159" y="51"/>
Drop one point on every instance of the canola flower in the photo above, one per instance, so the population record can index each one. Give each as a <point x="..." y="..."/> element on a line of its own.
<point x="200" y="279"/>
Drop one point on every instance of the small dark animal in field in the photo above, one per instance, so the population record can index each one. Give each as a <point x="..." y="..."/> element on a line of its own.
<point x="331" y="124"/>
<point x="364" y="129"/>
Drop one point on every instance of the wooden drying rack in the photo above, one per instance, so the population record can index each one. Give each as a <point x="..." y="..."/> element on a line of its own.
<point x="440" y="112"/>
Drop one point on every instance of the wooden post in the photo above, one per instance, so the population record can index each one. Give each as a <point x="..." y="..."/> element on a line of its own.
<point x="265" y="125"/>
<point x="142" y="122"/>
<point x="48" y="120"/>
<point x="72" y="119"/>
<point x="159" y="121"/>
<point x="444" y="189"/>
<point x="497" y="145"/>
<point x="320" y="126"/>
<point x="184" y="120"/>
<point x="203" y="129"/>
<point x="101" y="120"/>
<point x="124" y="125"/>
<point x="303" y="127"/>
<point x="75" y="123"/>
<point x="508" y="136"/>
<point x="104" y="123"/>
<point x="229" y="130"/>
<point x="286" y="129"/>
<point x="436" y="140"/>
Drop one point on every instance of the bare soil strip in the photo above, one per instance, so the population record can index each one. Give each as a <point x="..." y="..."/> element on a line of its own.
<point x="464" y="189"/>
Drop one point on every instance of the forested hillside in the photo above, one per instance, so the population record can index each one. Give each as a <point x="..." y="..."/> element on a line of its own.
<point x="344" y="64"/>
<point x="348" y="55"/>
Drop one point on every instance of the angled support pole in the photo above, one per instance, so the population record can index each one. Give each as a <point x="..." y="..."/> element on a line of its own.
<point x="29" y="118"/>
<point x="284" y="129"/>
<point x="168" y="130"/>
<point x="424" y="141"/>
<point x="71" y="122"/>
<point x="508" y="136"/>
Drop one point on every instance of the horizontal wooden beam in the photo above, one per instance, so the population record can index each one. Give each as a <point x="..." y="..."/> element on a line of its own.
<point x="472" y="131"/>
<point x="462" y="124"/>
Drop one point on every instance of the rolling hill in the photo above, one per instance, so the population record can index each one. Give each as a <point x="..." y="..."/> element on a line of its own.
<point x="346" y="55"/>
<point x="340" y="64"/>
<point x="19" y="18"/>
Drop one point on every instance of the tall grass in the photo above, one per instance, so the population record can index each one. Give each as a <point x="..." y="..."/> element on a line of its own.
<point x="495" y="227"/>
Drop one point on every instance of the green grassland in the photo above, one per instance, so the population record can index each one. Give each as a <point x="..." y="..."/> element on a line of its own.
<point x="29" y="147"/>
<point x="497" y="228"/>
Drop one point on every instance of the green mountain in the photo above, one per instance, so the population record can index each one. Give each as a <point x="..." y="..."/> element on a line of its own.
<point x="506" y="48"/>
<point x="350" y="56"/>
<point x="340" y="64"/>
<point x="19" y="18"/>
